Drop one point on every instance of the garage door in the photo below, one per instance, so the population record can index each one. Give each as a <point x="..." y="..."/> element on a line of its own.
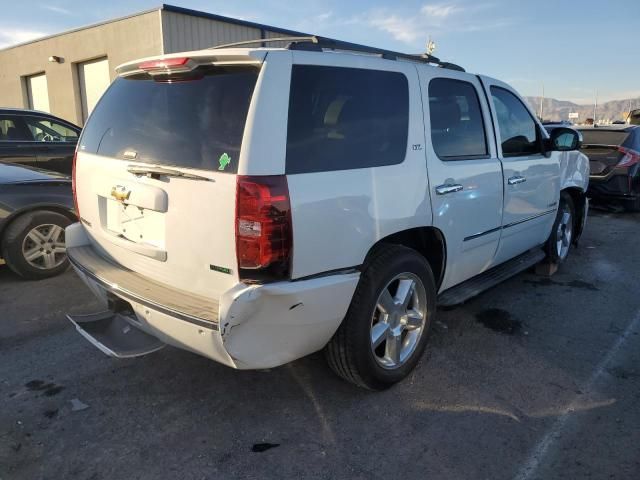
<point x="37" y="92"/>
<point x="94" y="80"/>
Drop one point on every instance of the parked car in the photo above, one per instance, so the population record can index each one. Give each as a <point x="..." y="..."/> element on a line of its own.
<point x="35" y="208"/>
<point x="634" y="117"/>
<point x="614" y="155"/>
<point x="255" y="205"/>
<point x="37" y="139"/>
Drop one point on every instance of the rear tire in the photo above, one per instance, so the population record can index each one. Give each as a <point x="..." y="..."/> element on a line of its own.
<point x="386" y="328"/>
<point x="562" y="234"/>
<point x="33" y="244"/>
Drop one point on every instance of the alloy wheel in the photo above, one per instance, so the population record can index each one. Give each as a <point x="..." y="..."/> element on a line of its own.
<point x="43" y="247"/>
<point x="398" y="320"/>
<point x="564" y="233"/>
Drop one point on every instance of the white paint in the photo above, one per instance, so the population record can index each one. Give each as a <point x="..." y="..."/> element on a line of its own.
<point x="38" y="92"/>
<point x="94" y="79"/>
<point x="539" y="452"/>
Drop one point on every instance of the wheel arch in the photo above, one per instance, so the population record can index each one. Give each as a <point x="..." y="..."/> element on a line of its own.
<point x="428" y="241"/>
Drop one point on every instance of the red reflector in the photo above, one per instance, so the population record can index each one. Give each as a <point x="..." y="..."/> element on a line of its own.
<point x="263" y="225"/>
<point x="166" y="64"/>
<point x="73" y="182"/>
<point x="631" y="157"/>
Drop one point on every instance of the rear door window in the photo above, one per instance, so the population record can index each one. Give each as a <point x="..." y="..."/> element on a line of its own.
<point x="457" y="128"/>
<point x="518" y="130"/>
<point x="14" y="129"/>
<point x="346" y="118"/>
<point x="196" y="122"/>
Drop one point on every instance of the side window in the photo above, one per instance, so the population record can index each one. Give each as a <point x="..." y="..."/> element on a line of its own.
<point x="13" y="129"/>
<point x="457" y="127"/>
<point x="346" y="118"/>
<point x="44" y="130"/>
<point x="518" y="130"/>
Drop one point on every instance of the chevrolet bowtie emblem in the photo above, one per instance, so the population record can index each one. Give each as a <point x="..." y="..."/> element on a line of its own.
<point x="120" y="193"/>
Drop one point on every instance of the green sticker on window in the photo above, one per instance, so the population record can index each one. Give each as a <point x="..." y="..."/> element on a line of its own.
<point x="224" y="161"/>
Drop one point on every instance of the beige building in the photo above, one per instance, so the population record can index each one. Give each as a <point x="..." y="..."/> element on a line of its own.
<point x="66" y="74"/>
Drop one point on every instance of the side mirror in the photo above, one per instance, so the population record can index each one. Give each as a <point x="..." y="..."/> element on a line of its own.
<point x="563" y="139"/>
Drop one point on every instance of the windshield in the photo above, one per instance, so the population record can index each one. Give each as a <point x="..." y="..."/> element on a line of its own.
<point x="196" y="122"/>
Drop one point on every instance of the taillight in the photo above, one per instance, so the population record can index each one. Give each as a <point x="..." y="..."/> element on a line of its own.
<point x="73" y="182"/>
<point x="263" y="227"/>
<point x="631" y="157"/>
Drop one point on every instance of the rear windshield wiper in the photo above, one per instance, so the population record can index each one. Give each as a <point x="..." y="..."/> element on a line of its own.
<point x="156" y="172"/>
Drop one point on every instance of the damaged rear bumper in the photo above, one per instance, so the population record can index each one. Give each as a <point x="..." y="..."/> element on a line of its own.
<point x="247" y="327"/>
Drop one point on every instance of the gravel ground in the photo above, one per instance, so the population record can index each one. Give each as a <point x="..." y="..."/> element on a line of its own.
<point x="536" y="378"/>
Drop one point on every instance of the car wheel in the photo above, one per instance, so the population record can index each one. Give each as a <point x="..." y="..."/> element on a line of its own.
<point x="34" y="245"/>
<point x="387" y="325"/>
<point x="561" y="237"/>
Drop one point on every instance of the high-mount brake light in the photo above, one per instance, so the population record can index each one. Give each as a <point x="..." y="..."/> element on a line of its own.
<point x="631" y="157"/>
<point x="263" y="227"/>
<point x="178" y="64"/>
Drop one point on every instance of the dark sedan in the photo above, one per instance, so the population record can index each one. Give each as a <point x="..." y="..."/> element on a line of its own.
<point x="614" y="158"/>
<point x="37" y="139"/>
<point x="35" y="208"/>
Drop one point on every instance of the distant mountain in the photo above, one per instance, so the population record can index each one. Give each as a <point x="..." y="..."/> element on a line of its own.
<point x="559" y="109"/>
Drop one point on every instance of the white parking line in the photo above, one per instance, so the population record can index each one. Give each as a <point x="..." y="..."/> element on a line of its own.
<point x="537" y="455"/>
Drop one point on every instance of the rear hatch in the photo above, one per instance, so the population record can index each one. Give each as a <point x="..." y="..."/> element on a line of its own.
<point x="603" y="149"/>
<point x="156" y="170"/>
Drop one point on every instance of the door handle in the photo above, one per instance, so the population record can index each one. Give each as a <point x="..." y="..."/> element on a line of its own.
<point x="516" y="180"/>
<point x="448" y="188"/>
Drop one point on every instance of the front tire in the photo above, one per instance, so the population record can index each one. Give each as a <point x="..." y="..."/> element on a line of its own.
<point x="561" y="238"/>
<point x="34" y="245"/>
<point x="386" y="328"/>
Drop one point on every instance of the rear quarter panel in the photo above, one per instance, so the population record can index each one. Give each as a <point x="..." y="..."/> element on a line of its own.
<point x="339" y="215"/>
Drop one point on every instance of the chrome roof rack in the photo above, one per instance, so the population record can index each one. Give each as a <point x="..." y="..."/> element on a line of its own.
<point x="315" y="43"/>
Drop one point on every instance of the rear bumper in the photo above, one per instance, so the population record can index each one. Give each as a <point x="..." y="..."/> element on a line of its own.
<point x="622" y="184"/>
<point x="248" y="327"/>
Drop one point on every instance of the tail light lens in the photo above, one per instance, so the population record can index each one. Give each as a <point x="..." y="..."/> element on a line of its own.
<point x="630" y="157"/>
<point x="73" y="183"/>
<point x="263" y="228"/>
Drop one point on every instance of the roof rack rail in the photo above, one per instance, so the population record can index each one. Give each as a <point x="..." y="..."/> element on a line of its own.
<point x="315" y="43"/>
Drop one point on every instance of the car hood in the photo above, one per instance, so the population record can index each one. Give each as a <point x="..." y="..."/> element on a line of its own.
<point x="11" y="174"/>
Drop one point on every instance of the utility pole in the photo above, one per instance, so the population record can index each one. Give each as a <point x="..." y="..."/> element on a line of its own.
<point x="542" y="104"/>
<point x="595" y="108"/>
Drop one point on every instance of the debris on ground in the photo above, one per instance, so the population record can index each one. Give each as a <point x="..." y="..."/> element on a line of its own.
<point x="77" y="405"/>
<point x="262" y="447"/>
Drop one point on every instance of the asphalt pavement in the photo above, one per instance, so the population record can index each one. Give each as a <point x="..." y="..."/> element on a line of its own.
<point x="538" y="378"/>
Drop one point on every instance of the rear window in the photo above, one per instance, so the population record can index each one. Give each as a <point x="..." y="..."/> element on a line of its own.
<point x="346" y="118"/>
<point x="194" y="123"/>
<point x="603" y="137"/>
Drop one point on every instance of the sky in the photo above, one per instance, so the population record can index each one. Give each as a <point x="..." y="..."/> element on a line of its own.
<point x="573" y="48"/>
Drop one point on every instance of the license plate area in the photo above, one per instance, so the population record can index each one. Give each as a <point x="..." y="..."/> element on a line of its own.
<point x="135" y="223"/>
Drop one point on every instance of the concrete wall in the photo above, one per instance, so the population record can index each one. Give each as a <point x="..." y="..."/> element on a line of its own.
<point x="121" y="41"/>
<point x="183" y="33"/>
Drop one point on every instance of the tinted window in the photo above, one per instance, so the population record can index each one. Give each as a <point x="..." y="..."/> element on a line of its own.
<point x="13" y="128"/>
<point x="457" y="128"/>
<point x="518" y="129"/>
<point x="344" y="118"/>
<point x="189" y="122"/>
<point x="44" y="130"/>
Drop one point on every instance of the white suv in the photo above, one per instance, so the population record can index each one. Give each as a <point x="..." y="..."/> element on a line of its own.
<point x="255" y="205"/>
